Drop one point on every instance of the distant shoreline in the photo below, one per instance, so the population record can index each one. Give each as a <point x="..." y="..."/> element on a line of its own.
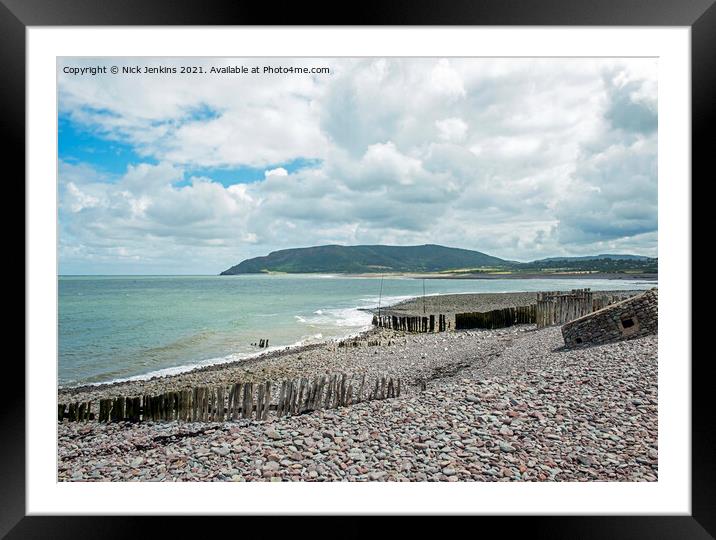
<point x="429" y="275"/>
<point x="413" y="275"/>
<point x="566" y="275"/>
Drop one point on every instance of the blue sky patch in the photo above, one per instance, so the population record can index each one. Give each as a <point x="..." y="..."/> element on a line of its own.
<point x="77" y="145"/>
<point x="228" y="176"/>
<point x="201" y="113"/>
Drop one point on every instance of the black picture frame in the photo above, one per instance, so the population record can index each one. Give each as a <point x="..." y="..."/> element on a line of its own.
<point x="699" y="15"/>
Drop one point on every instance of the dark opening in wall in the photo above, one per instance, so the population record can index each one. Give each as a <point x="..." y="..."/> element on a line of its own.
<point x="578" y="340"/>
<point x="627" y="323"/>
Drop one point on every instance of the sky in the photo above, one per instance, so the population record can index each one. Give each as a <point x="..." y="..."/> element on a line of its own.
<point x="170" y="173"/>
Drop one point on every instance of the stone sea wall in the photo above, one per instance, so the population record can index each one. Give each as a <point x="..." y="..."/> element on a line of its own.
<point x="631" y="318"/>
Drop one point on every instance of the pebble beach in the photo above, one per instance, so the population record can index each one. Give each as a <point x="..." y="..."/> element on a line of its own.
<point x="477" y="405"/>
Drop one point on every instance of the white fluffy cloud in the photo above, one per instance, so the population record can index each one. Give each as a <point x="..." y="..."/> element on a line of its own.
<point x="518" y="158"/>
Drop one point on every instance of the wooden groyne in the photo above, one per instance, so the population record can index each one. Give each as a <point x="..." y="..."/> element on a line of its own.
<point x="557" y="307"/>
<point x="358" y="342"/>
<point x="497" y="318"/>
<point x="429" y="323"/>
<point x="240" y="400"/>
<point x="600" y="301"/>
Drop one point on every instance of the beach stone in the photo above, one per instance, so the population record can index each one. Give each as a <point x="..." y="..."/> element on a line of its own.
<point x="505" y="447"/>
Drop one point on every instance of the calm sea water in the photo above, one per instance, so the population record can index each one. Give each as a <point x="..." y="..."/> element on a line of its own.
<point x="123" y="327"/>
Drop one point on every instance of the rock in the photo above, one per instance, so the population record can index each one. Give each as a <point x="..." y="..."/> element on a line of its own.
<point x="505" y="447"/>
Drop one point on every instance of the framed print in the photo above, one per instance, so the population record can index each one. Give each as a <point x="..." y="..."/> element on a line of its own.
<point x="403" y="264"/>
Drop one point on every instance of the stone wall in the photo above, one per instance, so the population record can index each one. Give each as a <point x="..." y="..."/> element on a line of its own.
<point x="631" y="318"/>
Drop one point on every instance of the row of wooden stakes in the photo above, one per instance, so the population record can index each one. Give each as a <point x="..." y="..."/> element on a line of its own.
<point x="497" y="318"/>
<point x="360" y="343"/>
<point x="412" y="324"/>
<point x="241" y="400"/>
<point x="557" y="309"/>
<point x="562" y="308"/>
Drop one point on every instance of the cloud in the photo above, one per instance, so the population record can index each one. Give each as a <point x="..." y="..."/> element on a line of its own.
<point x="519" y="158"/>
<point x="630" y="108"/>
<point x="612" y="195"/>
<point x="215" y="120"/>
<point x="451" y="129"/>
<point x="446" y="81"/>
<point x="278" y="171"/>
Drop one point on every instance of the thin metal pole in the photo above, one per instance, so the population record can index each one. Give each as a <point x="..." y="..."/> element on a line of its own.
<point x="380" y="296"/>
<point x="423" y="295"/>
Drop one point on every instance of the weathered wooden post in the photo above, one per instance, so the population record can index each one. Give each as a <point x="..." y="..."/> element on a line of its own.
<point x="248" y="403"/>
<point x="360" y="389"/>
<point x="81" y="410"/>
<point x="267" y="400"/>
<point x="281" y="399"/>
<point x="259" y="401"/>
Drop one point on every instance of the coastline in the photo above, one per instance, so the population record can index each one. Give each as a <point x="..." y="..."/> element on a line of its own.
<point x="510" y="404"/>
<point x="447" y="303"/>
<point x="553" y="275"/>
<point x="267" y="354"/>
<point x="138" y="382"/>
<point x="256" y="367"/>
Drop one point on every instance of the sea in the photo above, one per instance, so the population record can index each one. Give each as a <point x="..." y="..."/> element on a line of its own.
<point x="116" y="328"/>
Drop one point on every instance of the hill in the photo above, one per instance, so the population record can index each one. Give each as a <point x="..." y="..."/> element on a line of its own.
<point x="366" y="259"/>
<point x="622" y="257"/>
<point x="610" y="264"/>
<point x="430" y="258"/>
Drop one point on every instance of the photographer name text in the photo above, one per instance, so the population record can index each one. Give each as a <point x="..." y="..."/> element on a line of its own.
<point x="138" y="70"/>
